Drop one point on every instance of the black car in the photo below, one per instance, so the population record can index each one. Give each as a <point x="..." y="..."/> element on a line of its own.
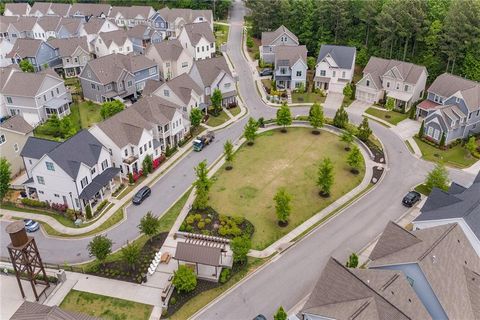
<point x="260" y="317"/>
<point x="266" y="72"/>
<point x="411" y="198"/>
<point x="143" y="193"/>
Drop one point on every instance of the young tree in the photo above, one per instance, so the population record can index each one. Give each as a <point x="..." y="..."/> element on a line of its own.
<point x="110" y="108"/>
<point x="354" y="159"/>
<point x="471" y="146"/>
<point x="196" y="117"/>
<point x="202" y="186"/>
<point x="130" y="178"/>
<point x="5" y="173"/>
<point x="250" y="131"/>
<point x="149" y="225"/>
<point x="348" y="90"/>
<point x="282" y="206"/>
<point x="66" y="128"/>
<point x="228" y="152"/>
<point x="364" y="131"/>
<point x="240" y="247"/>
<point x="184" y="279"/>
<point x="352" y="261"/>
<point x="26" y="66"/>
<point x="421" y="132"/>
<point x="442" y="141"/>
<point x="390" y="104"/>
<point x="100" y="247"/>
<point x="88" y="212"/>
<point x="130" y="254"/>
<point x="316" y="117"/>
<point x="311" y="63"/>
<point x="341" y="118"/>
<point x="284" y="117"/>
<point x="216" y="99"/>
<point x="280" y="315"/>
<point x="325" y="178"/>
<point x="147" y="165"/>
<point x="437" y="178"/>
<point x="348" y="138"/>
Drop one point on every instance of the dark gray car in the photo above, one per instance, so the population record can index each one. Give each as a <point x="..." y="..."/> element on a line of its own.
<point x="141" y="195"/>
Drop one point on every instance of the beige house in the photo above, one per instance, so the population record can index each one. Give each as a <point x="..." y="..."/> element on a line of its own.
<point x="14" y="132"/>
<point x="172" y="59"/>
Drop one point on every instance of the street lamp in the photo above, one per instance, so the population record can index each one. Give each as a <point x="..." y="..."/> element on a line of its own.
<point x="73" y="206"/>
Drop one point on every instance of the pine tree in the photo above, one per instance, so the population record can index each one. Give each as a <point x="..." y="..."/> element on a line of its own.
<point x="421" y="132"/>
<point x="364" y="131"/>
<point x="341" y="118"/>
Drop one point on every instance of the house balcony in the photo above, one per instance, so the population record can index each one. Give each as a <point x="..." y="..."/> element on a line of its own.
<point x="131" y="159"/>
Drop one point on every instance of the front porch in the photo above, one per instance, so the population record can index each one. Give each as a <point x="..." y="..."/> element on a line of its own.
<point x="402" y="100"/>
<point x="101" y="188"/>
<point x="72" y="72"/>
<point x="59" y="106"/>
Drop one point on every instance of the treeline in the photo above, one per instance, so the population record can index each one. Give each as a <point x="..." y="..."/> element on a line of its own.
<point x="219" y="7"/>
<point x="443" y="35"/>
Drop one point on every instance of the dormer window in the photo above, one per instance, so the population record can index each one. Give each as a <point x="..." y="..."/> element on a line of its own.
<point x="166" y="93"/>
<point x="457" y="99"/>
<point x="406" y="88"/>
<point x="388" y="84"/>
<point x="368" y="83"/>
<point x="398" y="86"/>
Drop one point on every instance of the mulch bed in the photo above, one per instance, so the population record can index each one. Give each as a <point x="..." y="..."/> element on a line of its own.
<point x="377" y="174"/>
<point x="378" y="154"/>
<point x="121" y="271"/>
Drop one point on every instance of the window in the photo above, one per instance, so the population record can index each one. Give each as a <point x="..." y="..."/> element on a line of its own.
<point x="76" y="60"/>
<point x="77" y="203"/>
<point x="457" y="99"/>
<point x="152" y="71"/>
<point x="51" y="92"/>
<point x="68" y="60"/>
<point x="198" y="49"/>
<point x="227" y="85"/>
<point x="120" y="49"/>
<point x="93" y="86"/>
<point x="184" y="64"/>
<point x="126" y="152"/>
<point x="436" y="134"/>
<point x="58" y="91"/>
<point x="398" y="86"/>
<point x="167" y="64"/>
<point x="84" y="182"/>
<point x="141" y="150"/>
<point x="203" y="49"/>
<point x="166" y="93"/>
<point x="40" y="191"/>
<point x="2" y="139"/>
<point x="368" y="83"/>
<point x="9" y="100"/>
<point x="149" y="144"/>
<point x="104" y="164"/>
<point x="128" y="48"/>
<point x="323" y="73"/>
<point x="129" y="83"/>
<point x="388" y="84"/>
<point x="334" y="73"/>
<point x="56" y="195"/>
<point x="93" y="170"/>
<point x="89" y="73"/>
<point x="44" y="98"/>
<point x="211" y="45"/>
<point x="40" y="180"/>
<point x="406" y="88"/>
<point x="50" y="166"/>
<point x="343" y="74"/>
<point x="470" y="115"/>
<point x="299" y="73"/>
<point x="15" y="147"/>
<point x="430" y="131"/>
<point x="166" y="128"/>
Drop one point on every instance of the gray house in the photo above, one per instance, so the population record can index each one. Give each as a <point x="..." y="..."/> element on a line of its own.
<point x="38" y="52"/>
<point x="170" y="21"/>
<point x="452" y="108"/>
<point x="116" y="76"/>
<point x="280" y="37"/>
<point x="290" y="67"/>
<point x="74" y="54"/>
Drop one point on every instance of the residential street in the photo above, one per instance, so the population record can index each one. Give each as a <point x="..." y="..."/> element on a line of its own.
<point x="293" y="274"/>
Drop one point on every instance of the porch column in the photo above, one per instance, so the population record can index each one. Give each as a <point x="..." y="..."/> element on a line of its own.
<point x="101" y="193"/>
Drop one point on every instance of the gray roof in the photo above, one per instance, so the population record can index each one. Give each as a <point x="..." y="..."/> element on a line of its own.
<point x="197" y="253"/>
<point x="209" y="69"/>
<point x="25" y="23"/>
<point x="90" y="9"/>
<point x="61" y="9"/>
<point x="183" y="85"/>
<point x="98" y="183"/>
<point x="343" y="293"/>
<point x="34" y="81"/>
<point x="49" y="23"/>
<point x="35" y="311"/>
<point x="35" y="148"/>
<point x="17" y="8"/>
<point x="289" y="55"/>
<point x="457" y="202"/>
<point x="71" y="24"/>
<point x="445" y="257"/>
<point x="140" y="31"/>
<point x="168" y="49"/>
<point x="196" y="31"/>
<point x="447" y="84"/>
<point x="188" y="15"/>
<point x="269" y="37"/>
<point x="66" y="47"/>
<point x="344" y="56"/>
<point x="377" y="67"/>
<point x="17" y="124"/>
<point x="131" y="12"/>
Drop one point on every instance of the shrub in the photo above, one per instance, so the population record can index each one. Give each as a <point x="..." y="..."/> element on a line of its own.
<point x="182" y="227"/>
<point x="238" y="219"/>
<point x="100" y="206"/>
<point x="184" y="279"/>
<point x="240" y="247"/>
<point x="208" y="221"/>
<point x="34" y="203"/>
<point x="201" y="225"/>
<point x="130" y="178"/>
<point x="198" y="217"/>
<point x="223" y="231"/>
<point x="173" y="301"/>
<point x="60" y="207"/>
<point x="188" y="228"/>
<point x="88" y="212"/>
<point x="224" y="275"/>
<point x="190" y="219"/>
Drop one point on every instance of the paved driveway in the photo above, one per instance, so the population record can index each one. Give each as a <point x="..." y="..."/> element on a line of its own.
<point x="333" y="100"/>
<point x="407" y="128"/>
<point x="359" y="107"/>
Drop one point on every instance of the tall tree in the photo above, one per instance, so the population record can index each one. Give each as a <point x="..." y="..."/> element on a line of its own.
<point x="149" y="225"/>
<point x="202" y="186"/>
<point x="363" y="130"/>
<point x="325" y="178"/>
<point x="354" y="159"/>
<point x="340" y="120"/>
<point x="130" y="254"/>
<point x="5" y="173"/>
<point x="316" y="117"/>
<point x="228" y="153"/>
<point x="216" y="99"/>
<point x="196" y="117"/>
<point x="437" y="178"/>
<point x="100" y="247"/>
<point x="240" y="247"/>
<point x="284" y="116"/>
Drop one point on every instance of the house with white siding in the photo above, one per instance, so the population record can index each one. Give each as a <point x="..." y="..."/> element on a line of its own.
<point x="41" y="9"/>
<point x="290" y="67"/>
<point x="16" y="9"/>
<point x="335" y="67"/>
<point x="280" y="37"/>
<point x="198" y="40"/>
<point x="172" y="59"/>
<point x="131" y="16"/>
<point x="113" y="42"/>
<point x="5" y="48"/>
<point x="93" y="27"/>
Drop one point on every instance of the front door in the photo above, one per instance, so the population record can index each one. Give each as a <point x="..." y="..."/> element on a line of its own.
<point x="65" y="201"/>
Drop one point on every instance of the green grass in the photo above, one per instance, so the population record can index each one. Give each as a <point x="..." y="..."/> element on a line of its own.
<point x="456" y="156"/>
<point x="422" y="188"/>
<point x="307" y="97"/>
<point x="347" y="101"/>
<point x="105" y="307"/>
<point x="392" y="117"/>
<point x="216" y="121"/>
<point x="201" y="300"/>
<point x="168" y="219"/>
<point x="221" y="34"/>
<point x="235" y="111"/>
<point x="280" y="160"/>
<point x="57" y="216"/>
<point x="409" y="146"/>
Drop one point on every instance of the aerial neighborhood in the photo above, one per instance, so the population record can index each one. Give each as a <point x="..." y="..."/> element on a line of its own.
<point x="235" y="159"/>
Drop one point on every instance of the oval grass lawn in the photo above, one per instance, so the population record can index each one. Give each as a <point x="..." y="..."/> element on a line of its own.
<point x="277" y="160"/>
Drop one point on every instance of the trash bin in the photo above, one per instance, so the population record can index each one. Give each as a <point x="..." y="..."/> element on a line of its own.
<point x="61" y="275"/>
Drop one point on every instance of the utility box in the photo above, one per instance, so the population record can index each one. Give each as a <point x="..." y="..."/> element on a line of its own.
<point x="61" y="275"/>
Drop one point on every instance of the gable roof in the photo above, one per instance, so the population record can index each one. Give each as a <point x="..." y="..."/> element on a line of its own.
<point x="131" y="12"/>
<point x="196" y="31"/>
<point x="42" y="7"/>
<point x="209" y="69"/>
<point x="343" y="56"/>
<point x="71" y="24"/>
<point x="343" y="293"/>
<point x="17" y="8"/>
<point x="16" y="124"/>
<point x="377" y="67"/>
<point x="182" y="86"/>
<point x="35" y="148"/>
<point x="150" y="86"/>
<point x="393" y="238"/>
<point x="31" y="310"/>
<point x="188" y="15"/>
<point x="140" y="31"/>
<point x="447" y="84"/>
<point x="289" y="55"/>
<point x="61" y="9"/>
<point x="94" y="25"/>
<point x="49" y="23"/>
<point x="269" y="37"/>
<point x="198" y="253"/>
<point x="25" y="48"/>
<point x="24" y="24"/>
<point x="90" y="9"/>
<point x="169" y="49"/>
<point x="118" y="36"/>
<point x="34" y="81"/>
<point x="66" y="47"/>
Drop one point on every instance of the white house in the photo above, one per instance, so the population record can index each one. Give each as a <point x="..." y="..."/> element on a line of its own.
<point x="131" y="16"/>
<point x="16" y="9"/>
<point x="113" y="42"/>
<point x="94" y="27"/>
<point x="280" y="37"/>
<point x="172" y="59"/>
<point x="290" y="67"/>
<point x="5" y="48"/>
<point x="335" y="67"/>
<point x="76" y="173"/>
<point x="198" y="39"/>
<point x="382" y="79"/>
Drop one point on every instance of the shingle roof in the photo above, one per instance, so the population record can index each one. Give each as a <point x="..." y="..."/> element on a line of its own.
<point x="183" y="86"/>
<point x="17" y="8"/>
<point x="35" y="148"/>
<point x="289" y="55"/>
<point x="71" y="24"/>
<point x="139" y="31"/>
<point x="131" y="12"/>
<point x="150" y="86"/>
<point x="25" y="48"/>
<point x="343" y="293"/>
<point x="17" y="124"/>
<point x="393" y="238"/>
<point x="188" y="15"/>
<point x="42" y="7"/>
<point x="49" y="23"/>
<point x="94" y="25"/>
<point x="377" y="67"/>
<point x="209" y="69"/>
<point x="25" y="23"/>
<point x="196" y="253"/>
<point x="90" y="9"/>
<point x="168" y="49"/>
<point x="268" y="37"/>
<point x="34" y="81"/>
<point x="66" y="47"/>
<point x="343" y="56"/>
<point x="61" y="9"/>
<point x="445" y="257"/>
<point x="196" y="31"/>
<point x="35" y="311"/>
<point x="447" y="84"/>
<point x="117" y="36"/>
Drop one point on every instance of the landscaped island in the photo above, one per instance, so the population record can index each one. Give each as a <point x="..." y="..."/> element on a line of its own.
<point x="278" y="160"/>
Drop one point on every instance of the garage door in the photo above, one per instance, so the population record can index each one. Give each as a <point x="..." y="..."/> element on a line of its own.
<point x="365" y="96"/>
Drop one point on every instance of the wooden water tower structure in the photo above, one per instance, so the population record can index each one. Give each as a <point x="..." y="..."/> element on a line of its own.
<point x="25" y="258"/>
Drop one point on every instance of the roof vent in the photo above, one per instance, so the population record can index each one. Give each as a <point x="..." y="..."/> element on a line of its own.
<point x="434" y="259"/>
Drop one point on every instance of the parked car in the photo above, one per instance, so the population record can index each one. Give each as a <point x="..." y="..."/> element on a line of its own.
<point x="266" y="72"/>
<point x="411" y="198"/>
<point x="31" y="225"/>
<point x="141" y="195"/>
<point x="260" y="317"/>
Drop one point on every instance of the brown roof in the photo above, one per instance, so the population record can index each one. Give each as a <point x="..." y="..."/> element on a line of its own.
<point x="90" y="9"/>
<point x="117" y="36"/>
<point x="66" y="47"/>
<point x="17" y="124"/>
<point x="61" y="9"/>
<point x="25" y="48"/>
<point x="183" y="86"/>
<point x="269" y="37"/>
<point x="289" y="55"/>
<point x="377" y="67"/>
<point x="343" y="293"/>
<point x="447" y="260"/>
<point x="447" y="84"/>
<point x="94" y="25"/>
<point x="36" y="311"/>
<point x="17" y="8"/>
<point x="150" y="86"/>
<point x="49" y="23"/>
<point x="40" y="6"/>
<point x="5" y="74"/>
<point x="139" y="31"/>
<point x="71" y="24"/>
<point x="168" y="49"/>
<point x="196" y="31"/>
<point x="25" y="23"/>
<point x="209" y="69"/>
<point x="34" y="81"/>
<point x="188" y="15"/>
<point x="196" y="253"/>
<point x="131" y="12"/>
